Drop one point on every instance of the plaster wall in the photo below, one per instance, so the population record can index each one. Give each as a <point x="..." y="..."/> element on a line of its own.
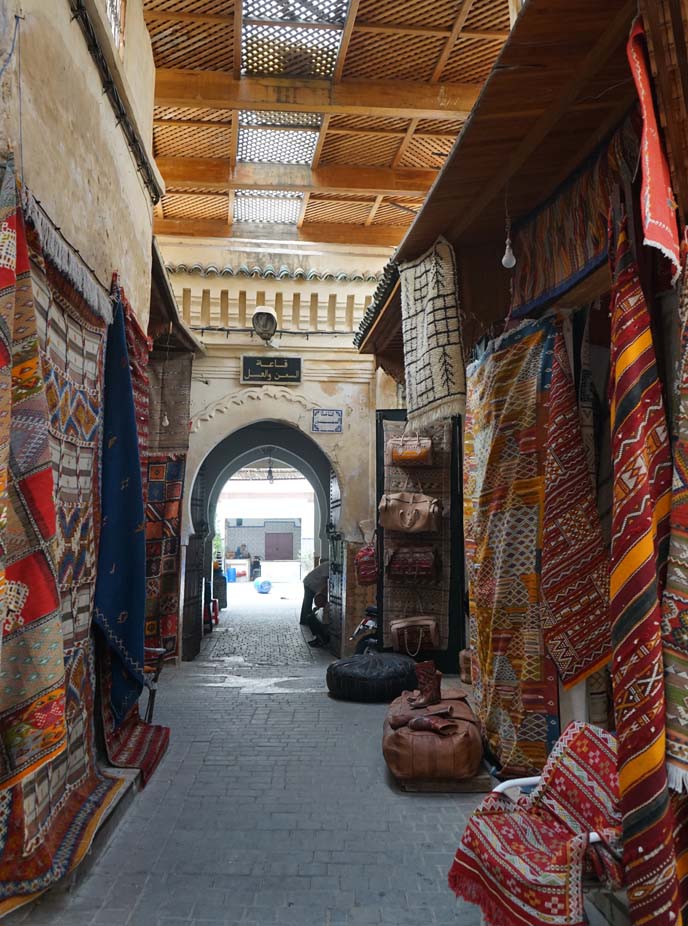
<point x="333" y="377"/>
<point x="75" y="158"/>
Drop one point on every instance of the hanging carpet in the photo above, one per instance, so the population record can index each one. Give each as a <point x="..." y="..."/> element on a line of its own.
<point x="32" y="693"/>
<point x="505" y="438"/>
<point x="657" y="202"/>
<point x="139" y="346"/>
<point x="169" y="375"/>
<point x="120" y="596"/>
<point x="433" y="343"/>
<point x="575" y="562"/>
<point x="566" y="238"/>
<point x="48" y="821"/>
<point x="675" y="600"/>
<point x="640" y="541"/>
<point x="165" y="480"/>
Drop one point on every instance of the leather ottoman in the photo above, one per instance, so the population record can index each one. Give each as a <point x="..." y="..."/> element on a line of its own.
<point x="415" y="756"/>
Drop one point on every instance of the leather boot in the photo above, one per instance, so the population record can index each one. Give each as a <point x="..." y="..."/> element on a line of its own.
<point x="441" y="725"/>
<point x="429" y="685"/>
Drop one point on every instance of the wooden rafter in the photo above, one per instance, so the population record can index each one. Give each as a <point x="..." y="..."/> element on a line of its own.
<point x="324" y="128"/>
<point x="217" y="175"/>
<point x="209" y="19"/>
<point x="456" y="31"/>
<point x="347" y="32"/>
<point x="302" y="212"/>
<point x="331" y="129"/>
<point x="236" y="57"/>
<point x="326" y="233"/>
<point x="373" y="211"/>
<point x="218" y="90"/>
<point x="405" y="142"/>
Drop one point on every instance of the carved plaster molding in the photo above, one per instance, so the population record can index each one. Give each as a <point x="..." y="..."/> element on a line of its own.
<point x="251" y="394"/>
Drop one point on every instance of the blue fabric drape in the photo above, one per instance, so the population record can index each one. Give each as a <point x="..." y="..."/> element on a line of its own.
<point x="121" y="582"/>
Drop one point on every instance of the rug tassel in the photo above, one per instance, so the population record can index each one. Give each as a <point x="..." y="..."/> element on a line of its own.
<point x="66" y="259"/>
<point x="677" y="778"/>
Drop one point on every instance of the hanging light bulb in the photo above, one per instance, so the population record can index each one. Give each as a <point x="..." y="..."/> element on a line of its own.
<point x="271" y="477"/>
<point x="165" y="421"/>
<point x="509" y="259"/>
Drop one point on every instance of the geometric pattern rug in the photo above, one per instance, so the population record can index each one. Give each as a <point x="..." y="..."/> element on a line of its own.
<point x="515" y="678"/>
<point x="165" y="485"/>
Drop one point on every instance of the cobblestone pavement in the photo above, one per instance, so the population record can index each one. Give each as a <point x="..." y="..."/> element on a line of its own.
<point x="271" y="808"/>
<point x="262" y="630"/>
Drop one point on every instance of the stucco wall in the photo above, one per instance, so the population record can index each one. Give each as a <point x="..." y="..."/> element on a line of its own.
<point x="75" y="157"/>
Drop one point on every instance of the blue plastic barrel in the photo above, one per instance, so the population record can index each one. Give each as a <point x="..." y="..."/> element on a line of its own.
<point x="231" y="574"/>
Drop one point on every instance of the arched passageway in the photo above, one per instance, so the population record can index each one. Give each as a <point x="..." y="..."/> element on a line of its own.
<point x="284" y="443"/>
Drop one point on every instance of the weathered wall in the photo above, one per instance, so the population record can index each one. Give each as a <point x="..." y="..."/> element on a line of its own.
<point x="75" y="158"/>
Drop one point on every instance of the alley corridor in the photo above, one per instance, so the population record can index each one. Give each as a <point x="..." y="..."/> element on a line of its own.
<point x="272" y="805"/>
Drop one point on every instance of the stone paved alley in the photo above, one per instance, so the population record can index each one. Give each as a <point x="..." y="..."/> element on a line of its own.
<point x="272" y="806"/>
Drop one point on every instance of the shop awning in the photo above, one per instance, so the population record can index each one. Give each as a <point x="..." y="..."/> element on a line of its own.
<point x="559" y="87"/>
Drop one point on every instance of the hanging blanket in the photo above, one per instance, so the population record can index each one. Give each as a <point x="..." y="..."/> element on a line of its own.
<point x="566" y="238"/>
<point x="658" y="206"/>
<point x="139" y="346"/>
<point x="121" y="583"/>
<point x="575" y="562"/>
<point x="32" y="694"/>
<point x="163" y="539"/>
<point x="640" y="539"/>
<point x="48" y="821"/>
<point x="169" y="376"/>
<point x="506" y="421"/>
<point x="523" y="863"/>
<point x="675" y="600"/>
<point x="431" y="328"/>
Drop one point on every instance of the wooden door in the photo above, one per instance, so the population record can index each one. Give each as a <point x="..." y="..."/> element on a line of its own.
<point x="279" y="546"/>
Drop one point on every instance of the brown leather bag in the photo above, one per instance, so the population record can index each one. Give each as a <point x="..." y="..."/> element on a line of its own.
<point x="410" y="512"/>
<point x="412" y="635"/>
<point x="410" y="451"/>
<point x="415" y="755"/>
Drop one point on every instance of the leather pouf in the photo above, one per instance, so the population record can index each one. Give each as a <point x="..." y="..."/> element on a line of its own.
<point x="371" y="677"/>
<point x="417" y="755"/>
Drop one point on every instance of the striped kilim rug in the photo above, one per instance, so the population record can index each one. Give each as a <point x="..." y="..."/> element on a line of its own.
<point x="640" y="539"/>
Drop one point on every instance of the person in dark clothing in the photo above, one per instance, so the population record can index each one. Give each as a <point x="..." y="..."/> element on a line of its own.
<point x="315" y="597"/>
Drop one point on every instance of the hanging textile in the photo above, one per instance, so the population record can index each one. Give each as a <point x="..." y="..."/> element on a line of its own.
<point x="505" y="437"/>
<point x="48" y="821"/>
<point x="566" y="238"/>
<point x="404" y="597"/>
<point x="640" y="539"/>
<point x="431" y="329"/>
<point x="139" y="346"/>
<point x="657" y="202"/>
<point x="120" y="584"/>
<point x="575" y="562"/>
<point x="169" y="376"/>
<point x="675" y="600"/>
<point x="32" y="693"/>
<point x="120" y="596"/>
<point x="165" y="481"/>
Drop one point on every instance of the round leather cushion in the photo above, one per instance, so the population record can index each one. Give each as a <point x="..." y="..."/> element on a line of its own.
<point x="371" y="677"/>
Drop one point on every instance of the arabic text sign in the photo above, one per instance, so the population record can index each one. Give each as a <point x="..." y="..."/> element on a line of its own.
<point x="328" y="420"/>
<point x="270" y="370"/>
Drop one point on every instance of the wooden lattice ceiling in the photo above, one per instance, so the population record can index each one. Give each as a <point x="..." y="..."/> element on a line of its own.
<point x="322" y="120"/>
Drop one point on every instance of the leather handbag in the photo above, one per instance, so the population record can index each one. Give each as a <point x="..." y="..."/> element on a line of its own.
<point x="413" y="563"/>
<point x="410" y="512"/>
<point x="365" y="564"/>
<point x="410" y="451"/>
<point x="413" y="635"/>
<point x="420" y="756"/>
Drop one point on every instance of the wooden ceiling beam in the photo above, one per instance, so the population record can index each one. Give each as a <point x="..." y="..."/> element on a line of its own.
<point x="487" y="35"/>
<point x="217" y="175"/>
<point x="373" y="210"/>
<point x="236" y="49"/>
<point x="209" y="19"/>
<point x="393" y="98"/>
<point x="349" y="24"/>
<point x="456" y="31"/>
<point x="293" y="24"/>
<point x="332" y="130"/>
<point x="324" y="233"/>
